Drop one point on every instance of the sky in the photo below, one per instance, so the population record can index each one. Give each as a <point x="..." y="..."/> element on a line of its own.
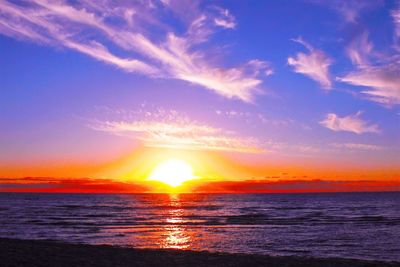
<point x="95" y="94"/>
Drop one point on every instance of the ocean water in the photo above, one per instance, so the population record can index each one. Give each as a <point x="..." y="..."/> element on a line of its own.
<point x="352" y="225"/>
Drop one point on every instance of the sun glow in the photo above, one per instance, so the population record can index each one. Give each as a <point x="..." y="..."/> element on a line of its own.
<point x="173" y="172"/>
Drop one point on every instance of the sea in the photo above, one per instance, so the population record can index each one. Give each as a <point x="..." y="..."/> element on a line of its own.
<point x="345" y="225"/>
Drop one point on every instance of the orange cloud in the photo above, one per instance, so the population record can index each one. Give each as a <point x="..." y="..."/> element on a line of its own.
<point x="296" y="186"/>
<point x="86" y="185"/>
<point x="71" y="185"/>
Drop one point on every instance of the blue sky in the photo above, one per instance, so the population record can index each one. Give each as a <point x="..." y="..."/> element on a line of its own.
<point x="277" y="82"/>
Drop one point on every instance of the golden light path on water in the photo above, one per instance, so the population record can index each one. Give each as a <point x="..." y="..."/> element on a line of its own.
<point x="176" y="235"/>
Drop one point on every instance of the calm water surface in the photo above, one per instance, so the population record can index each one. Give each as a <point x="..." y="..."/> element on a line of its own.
<point x="355" y="225"/>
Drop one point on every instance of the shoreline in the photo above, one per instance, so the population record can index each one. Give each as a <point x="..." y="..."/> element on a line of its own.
<point x="18" y="252"/>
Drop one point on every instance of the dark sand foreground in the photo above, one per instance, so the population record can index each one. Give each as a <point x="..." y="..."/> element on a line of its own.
<point x="50" y="253"/>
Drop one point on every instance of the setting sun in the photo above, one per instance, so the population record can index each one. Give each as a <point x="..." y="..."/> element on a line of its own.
<point x="172" y="172"/>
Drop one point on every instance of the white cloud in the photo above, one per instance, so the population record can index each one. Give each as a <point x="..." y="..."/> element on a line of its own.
<point x="224" y="23"/>
<point x="162" y="128"/>
<point x="167" y="55"/>
<point x="99" y="52"/>
<point x="376" y="72"/>
<point x="350" y="123"/>
<point x="225" y="20"/>
<point x="159" y="127"/>
<point x="383" y="82"/>
<point x="314" y="64"/>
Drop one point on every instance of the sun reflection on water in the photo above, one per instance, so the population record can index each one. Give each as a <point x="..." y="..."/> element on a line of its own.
<point x="175" y="234"/>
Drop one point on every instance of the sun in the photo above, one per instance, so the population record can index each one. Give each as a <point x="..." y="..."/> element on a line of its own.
<point x="172" y="172"/>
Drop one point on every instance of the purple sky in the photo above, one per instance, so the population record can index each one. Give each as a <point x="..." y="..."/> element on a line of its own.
<point x="297" y="83"/>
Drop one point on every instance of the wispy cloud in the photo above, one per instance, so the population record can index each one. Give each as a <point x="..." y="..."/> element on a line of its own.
<point x="350" y="123"/>
<point x="383" y="82"/>
<point x="396" y="20"/>
<point x="88" y="26"/>
<point x="359" y="50"/>
<point x="171" y="129"/>
<point x="253" y="118"/>
<point x="101" y="53"/>
<point x="349" y="10"/>
<point x="356" y="146"/>
<point x="225" y="20"/>
<point x="292" y="149"/>
<point x="376" y="72"/>
<point x="314" y="64"/>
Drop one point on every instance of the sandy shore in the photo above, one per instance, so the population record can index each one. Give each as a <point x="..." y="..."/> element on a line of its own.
<point x="49" y="253"/>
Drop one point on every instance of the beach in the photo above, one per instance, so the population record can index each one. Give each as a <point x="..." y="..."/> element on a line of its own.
<point x="15" y="252"/>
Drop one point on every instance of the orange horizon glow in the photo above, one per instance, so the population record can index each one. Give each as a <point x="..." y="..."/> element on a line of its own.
<point x="86" y="185"/>
<point x="214" y="173"/>
<point x="138" y="164"/>
<point x="170" y="101"/>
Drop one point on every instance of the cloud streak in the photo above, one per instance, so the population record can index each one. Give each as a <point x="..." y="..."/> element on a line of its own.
<point x="296" y="186"/>
<point x="170" y="129"/>
<point x="71" y="185"/>
<point x="314" y="64"/>
<point x="356" y="146"/>
<point x="377" y="73"/>
<point x="350" y="10"/>
<point x="85" y="185"/>
<point x="350" y="123"/>
<point x="382" y="81"/>
<point x="396" y="21"/>
<point x="86" y="27"/>
<point x="359" y="50"/>
<point x="225" y="20"/>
